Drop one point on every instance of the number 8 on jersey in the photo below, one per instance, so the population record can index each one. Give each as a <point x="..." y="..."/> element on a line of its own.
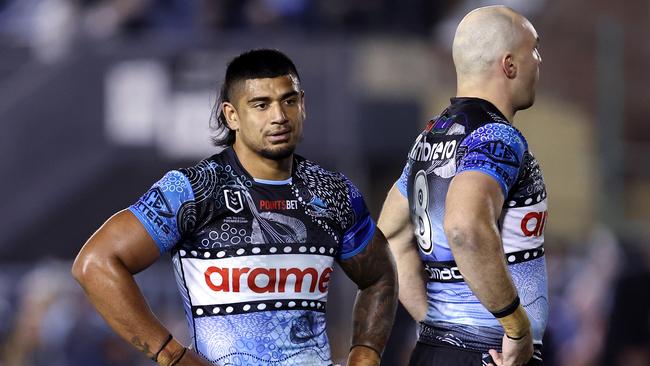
<point x="421" y="212"/>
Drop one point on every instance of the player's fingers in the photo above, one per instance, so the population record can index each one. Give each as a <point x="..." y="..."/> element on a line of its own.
<point x="496" y="357"/>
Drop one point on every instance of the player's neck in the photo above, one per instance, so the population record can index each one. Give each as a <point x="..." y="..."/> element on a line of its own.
<point x="260" y="167"/>
<point x="496" y="97"/>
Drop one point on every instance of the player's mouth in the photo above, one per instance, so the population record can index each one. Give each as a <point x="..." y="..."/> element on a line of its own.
<point x="279" y="136"/>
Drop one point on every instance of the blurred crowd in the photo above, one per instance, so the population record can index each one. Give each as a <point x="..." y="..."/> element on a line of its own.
<point x="101" y="18"/>
<point x="52" y="26"/>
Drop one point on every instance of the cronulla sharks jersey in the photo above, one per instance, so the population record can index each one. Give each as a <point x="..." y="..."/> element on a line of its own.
<point x="253" y="258"/>
<point x="471" y="134"/>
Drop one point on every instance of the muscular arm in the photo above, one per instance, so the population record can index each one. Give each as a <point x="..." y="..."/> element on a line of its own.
<point x="373" y="270"/>
<point x="105" y="267"/>
<point x="395" y="223"/>
<point x="473" y="206"/>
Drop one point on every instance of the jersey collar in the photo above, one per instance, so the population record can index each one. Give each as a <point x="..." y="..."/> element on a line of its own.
<point x="486" y="105"/>
<point x="230" y="152"/>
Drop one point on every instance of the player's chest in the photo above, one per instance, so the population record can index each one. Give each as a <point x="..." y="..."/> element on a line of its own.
<point x="290" y="218"/>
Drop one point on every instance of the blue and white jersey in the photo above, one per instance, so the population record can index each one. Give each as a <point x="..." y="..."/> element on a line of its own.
<point x="253" y="258"/>
<point x="471" y="134"/>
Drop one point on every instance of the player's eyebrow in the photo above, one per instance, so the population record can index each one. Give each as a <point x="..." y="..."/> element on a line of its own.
<point x="288" y="95"/>
<point x="268" y="99"/>
<point x="259" y="99"/>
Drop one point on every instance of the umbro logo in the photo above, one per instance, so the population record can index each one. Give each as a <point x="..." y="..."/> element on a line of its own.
<point x="234" y="201"/>
<point x="156" y="200"/>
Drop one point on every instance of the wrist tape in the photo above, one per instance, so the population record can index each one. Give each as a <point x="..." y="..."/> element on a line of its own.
<point x="514" y="320"/>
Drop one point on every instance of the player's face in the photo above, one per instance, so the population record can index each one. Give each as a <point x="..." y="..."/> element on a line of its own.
<point x="529" y="62"/>
<point x="268" y="115"/>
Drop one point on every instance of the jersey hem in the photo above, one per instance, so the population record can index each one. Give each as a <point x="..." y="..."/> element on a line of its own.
<point x="361" y="247"/>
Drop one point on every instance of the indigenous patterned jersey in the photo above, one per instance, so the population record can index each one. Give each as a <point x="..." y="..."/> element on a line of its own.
<point x="471" y="134"/>
<point x="253" y="258"/>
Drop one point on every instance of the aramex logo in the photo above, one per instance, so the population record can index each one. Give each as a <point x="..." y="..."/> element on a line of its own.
<point x="266" y="280"/>
<point x="533" y="223"/>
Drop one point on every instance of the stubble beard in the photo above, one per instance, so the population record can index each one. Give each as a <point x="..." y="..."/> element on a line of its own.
<point x="278" y="154"/>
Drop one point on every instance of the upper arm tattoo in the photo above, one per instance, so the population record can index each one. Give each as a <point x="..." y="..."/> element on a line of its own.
<point x="369" y="265"/>
<point x="373" y="270"/>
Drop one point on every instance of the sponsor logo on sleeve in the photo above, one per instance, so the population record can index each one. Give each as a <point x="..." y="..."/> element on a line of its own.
<point x="156" y="200"/>
<point x="156" y="208"/>
<point x="499" y="152"/>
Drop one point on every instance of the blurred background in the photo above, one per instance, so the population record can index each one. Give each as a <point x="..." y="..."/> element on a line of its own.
<point x="99" y="98"/>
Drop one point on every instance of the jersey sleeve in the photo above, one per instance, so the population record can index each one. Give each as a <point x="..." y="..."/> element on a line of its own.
<point x="159" y="209"/>
<point x="357" y="237"/>
<point x="495" y="149"/>
<point x="402" y="182"/>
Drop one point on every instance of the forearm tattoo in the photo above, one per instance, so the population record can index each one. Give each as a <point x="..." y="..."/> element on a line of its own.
<point x="373" y="270"/>
<point x="142" y="346"/>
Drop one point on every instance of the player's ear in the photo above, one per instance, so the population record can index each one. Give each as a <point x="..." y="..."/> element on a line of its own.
<point x="230" y="113"/>
<point x="509" y="66"/>
<point x="302" y="104"/>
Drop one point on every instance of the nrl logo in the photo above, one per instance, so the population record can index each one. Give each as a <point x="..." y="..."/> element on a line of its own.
<point x="234" y="201"/>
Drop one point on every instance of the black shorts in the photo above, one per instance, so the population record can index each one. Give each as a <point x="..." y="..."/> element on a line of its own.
<point x="440" y="355"/>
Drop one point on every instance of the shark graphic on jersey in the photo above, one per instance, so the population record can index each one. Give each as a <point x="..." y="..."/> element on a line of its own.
<point x="471" y="134"/>
<point x="253" y="258"/>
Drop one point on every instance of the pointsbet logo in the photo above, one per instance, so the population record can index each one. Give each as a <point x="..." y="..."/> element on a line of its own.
<point x="278" y="205"/>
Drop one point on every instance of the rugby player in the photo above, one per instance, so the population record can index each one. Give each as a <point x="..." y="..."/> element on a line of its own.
<point x="465" y="221"/>
<point x="253" y="233"/>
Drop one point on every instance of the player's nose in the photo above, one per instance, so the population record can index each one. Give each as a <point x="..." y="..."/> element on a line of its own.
<point x="278" y="114"/>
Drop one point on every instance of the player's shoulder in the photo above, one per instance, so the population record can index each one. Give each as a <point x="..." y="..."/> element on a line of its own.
<point x="214" y="172"/>
<point x="501" y="142"/>
<point x="208" y="166"/>
<point x="331" y="183"/>
<point x="313" y="173"/>
<point x="333" y="189"/>
<point x="498" y="131"/>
